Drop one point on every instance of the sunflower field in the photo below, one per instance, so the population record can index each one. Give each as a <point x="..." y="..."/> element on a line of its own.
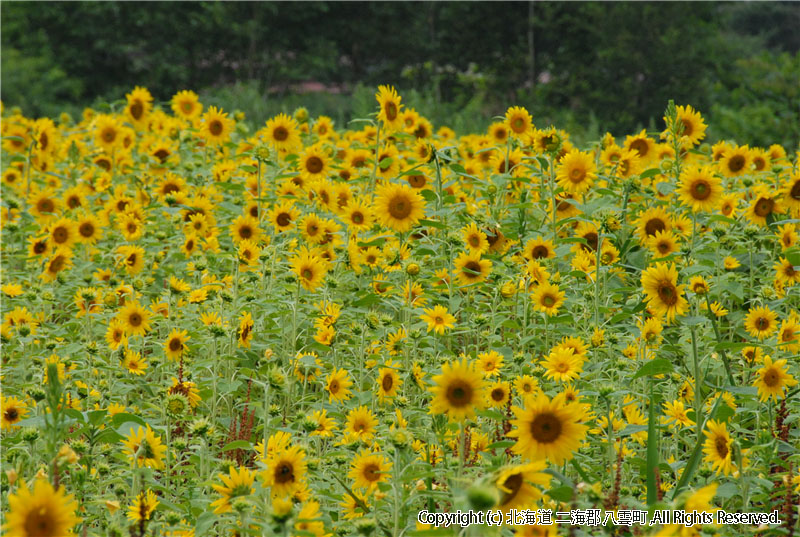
<point x="211" y="328"/>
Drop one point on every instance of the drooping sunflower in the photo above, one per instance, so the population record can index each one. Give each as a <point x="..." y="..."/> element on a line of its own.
<point x="518" y="120"/>
<point x="438" y="319"/>
<point x="700" y="189"/>
<point x="761" y="322"/>
<point x="773" y="379"/>
<point x="718" y="447"/>
<point x="186" y="104"/>
<point x="664" y="295"/>
<point x="390" y="108"/>
<point x="458" y="391"/>
<point x="216" y="126"/>
<point x="286" y="471"/>
<point x="134" y="318"/>
<point x="236" y="484"/>
<point x="144" y="448"/>
<point x="309" y="268"/>
<point x="12" y="410"/>
<point x="398" y="207"/>
<point x="41" y="512"/>
<point x="245" y="331"/>
<point x="367" y="469"/>
<point x="548" y="298"/>
<point x="131" y="257"/>
<point x="547" y="429"/>
<point x="175" y="345"/>
<point x="337" y="384"/>
<point x="143" y="506"/>
<point x="140" y="103"/>
<point x="521" y="486"/>
<point x="576" y="171"/>
<point x="470" y="268"/>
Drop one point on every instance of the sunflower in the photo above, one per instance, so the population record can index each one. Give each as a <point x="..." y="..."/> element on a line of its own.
<point x="458" y="391"/>
<point x="576" y="171"/>
<point x="548" y="298"/>
<point x="367" y="469"/>
<point x="245" y="331"/>
<point x="539" y="248"/>
<point x="518" y="120"/>
<point x="791" y="189"/>
<point x="521" y="486"/>
<point x="789" y="334"/>
<point x="140" y="103"/>
<point x="89" y="228"/>
<point x="144" y="448"/>
<point x="642" y="144"/>
<point x="309" y="268"/>
<point x="390" y="112"/>
<point x="283" y="215"/>
<point x="12" y="410"/>
<point x="43" y="204"/>
<point x="134" y="318"/>
<point x="663" y="243"/>
<point x="134" y="362"/>
<point x="475" y="239"/>
<point x="699" y="189"/>
<point x="547" y="429"/>
<point x="676" y="412"/>
<point x="286" y="471"/>
<point x="175" y="345"/>
<point x="692" y="127"/>
<point x="728" y="205"/>
<point x="389" y="162"/>
<point x="358" y="215"/>
<point x="131" y="257"/>
<point x="186" y="104"/>
<point x="337" y="384"/>
<point x="785" y="273"/>
<point x="187" y="389"/>
<point x="41" y="512"/>
<point x="498" y="394"/>
<point x="61" y="260"/>
<point x="63" y="233"/>
<point x="282" y="132"/>
<point x="438" y="319"/>
<point x="313" y="164"/>
<point x="388" y="382"/>
<point x="765" y="205"/>
<point x="735" y="161"/>
<point x="499" y="133"/>
<point x="248" y="255"/>
<point x="236" y="484"/>
<point x="143" y="506"/>
<point x="470" y="268"/>
<point x="361" y="423"/>
<point x="216" y="126"/>
<point x="773" y="379"/>
<point x="245" y="227"/>
<point x="761" y="322"/>
<point x="664" y="295"/>
<point x="651" y="221"/>
<point x="115" y="335"/>
<point x="562" y="365"/>
<point x="398" y="207"/>
<point x="325" y="425"/>
<point x="718" y="447"/>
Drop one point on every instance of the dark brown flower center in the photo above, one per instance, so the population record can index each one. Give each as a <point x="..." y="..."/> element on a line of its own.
<point x="701" y="190"/>
<point x="764" y="207"/>
<point x="45" y="206"/>
<point x="721" y="445"/>
<point x="60" y="235"/>
<point x="137" y="110"/>
<point x="641" y="146"/>
<point x="400" y="207"/>
<point x="280" y="133"/>
<point x="283" y="219"/>
<point x="135" y="319"/>
<point x="513" y="484"/>
<point x="459" y="394"/>
<point x="372" y="472"/>
<point x="498" y="394"/>
<point x="314" y="165"/>
<point x="771" y="378"/>
<point x="654" y="225"/>
<point x="390" y="109"/>
<point x="215" y="127"/>
<point x="175" y="345"/>
<point x="546" y="428"/>
<point x="667" y="293"/>
<point x="387" y="382"/>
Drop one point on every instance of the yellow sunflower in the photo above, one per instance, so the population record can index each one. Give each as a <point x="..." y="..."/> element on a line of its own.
<point x="773" y="379"/>
<point x="548" y="298"/>
<point x="361" y="423"/>
<point x="470" y="268"/>
<point x="576" y="171"/>
<point x="282" y="132"/>
<point x="216" y="126"/>
<point x="144" y="448"/>
<point x="388" y="382"/>
<point x="735" y="161"/>
<point x="438" y="319"/>
<point x="547" y="429"/>
<point x="765" y="205"/>
<point x="140" y="103"/>
<point x="664" y="295"/>
<point x="286" y="471"/>
<point x="562" y="365"/>
<point x="245" y="331"/>
<point x="186" y="104"/>
<point x="458" y="391"/>
<point x="12" y="410"/>
<point x="175" y="345"/>
<point x="313" y="164"/>
<point x="518" y="120"/>
<point x="337" y="384"/>
<point x="390" y="108"/>
<point x="718" y="447"/>
<point x="41" y="512"/>
<point x="309" y="268"/>
<point x="521" y="486"/>
<point x="143" y="506"/>
<point x="398" y="207"/>
<point x="700" y="189"/>
<point x="761" y="322"/>
<point x="134" y="318"/>
<point x="236" y="484"/>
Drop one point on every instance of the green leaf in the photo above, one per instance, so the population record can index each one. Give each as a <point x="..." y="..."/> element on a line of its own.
<point x="659" y="366"/>
<point x="237" y="444"/>
<point x="561" y="494"/>
<point x="503" y="444"/>
<point x="433" y="223"/>
<point x="652" y="172"/>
